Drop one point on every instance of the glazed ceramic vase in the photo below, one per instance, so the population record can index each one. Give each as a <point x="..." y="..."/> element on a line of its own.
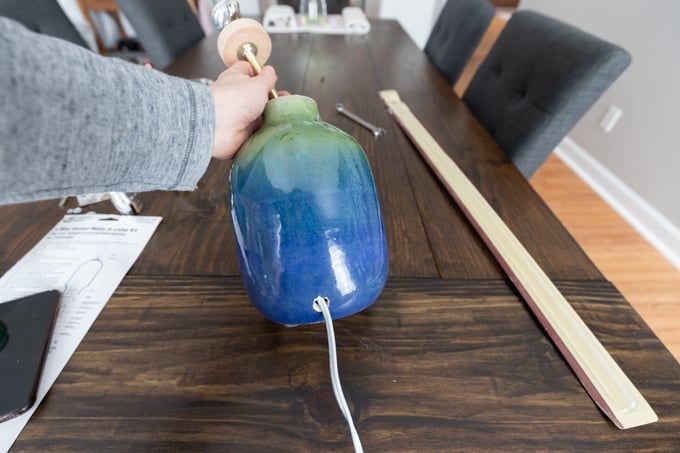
<point x="306" y="217"/>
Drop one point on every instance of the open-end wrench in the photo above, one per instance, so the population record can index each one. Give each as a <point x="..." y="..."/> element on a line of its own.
<point x="377" y="131"/>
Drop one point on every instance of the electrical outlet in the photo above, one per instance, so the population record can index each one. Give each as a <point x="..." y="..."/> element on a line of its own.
<point x="610" y="118"/>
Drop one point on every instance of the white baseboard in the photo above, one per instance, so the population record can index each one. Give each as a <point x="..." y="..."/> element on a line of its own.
<point x="649" y="222"/>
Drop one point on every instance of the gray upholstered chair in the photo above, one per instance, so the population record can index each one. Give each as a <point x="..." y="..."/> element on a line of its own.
<point x="42" y="16"/>
<point x="458" y="30"/>
<point x="166" y="28"/>
<point x="539" y="79"/>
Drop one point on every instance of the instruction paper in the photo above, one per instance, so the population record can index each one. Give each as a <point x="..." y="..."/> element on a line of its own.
<point x="85" y="257"/>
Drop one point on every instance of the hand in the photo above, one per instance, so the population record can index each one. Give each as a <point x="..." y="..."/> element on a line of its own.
<point x="240" y="97"/>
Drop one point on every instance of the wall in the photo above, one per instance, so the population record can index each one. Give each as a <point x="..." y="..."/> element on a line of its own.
<point x="640" y="158"/>
<point x="250" y="7"/>
<point x="417" y="21"/>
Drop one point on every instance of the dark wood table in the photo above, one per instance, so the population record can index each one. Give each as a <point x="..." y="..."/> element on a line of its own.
<point x="449" y="358"/>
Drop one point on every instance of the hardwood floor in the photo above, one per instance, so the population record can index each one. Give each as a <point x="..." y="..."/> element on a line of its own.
<point x="649" y="282"/>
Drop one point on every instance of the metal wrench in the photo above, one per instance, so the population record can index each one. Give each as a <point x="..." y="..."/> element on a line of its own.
<point x="377" y="131"/>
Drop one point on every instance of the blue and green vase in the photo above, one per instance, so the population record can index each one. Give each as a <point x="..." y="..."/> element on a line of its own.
<point x="306" y="217"/>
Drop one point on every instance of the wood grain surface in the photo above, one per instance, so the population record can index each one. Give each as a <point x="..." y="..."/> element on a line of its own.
<point x="651" y="285"/>
<point x="180" y="360"/>
<point x="599" y="374"/>
<point x="427" y="234"/>
<point x="458" y="250"/>
<point x="187" y="363"/>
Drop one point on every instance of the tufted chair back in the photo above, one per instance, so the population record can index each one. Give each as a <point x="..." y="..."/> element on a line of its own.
<point x="166" y="28"/>
<point x="539" y="79"/>
<point x="458" y="30"/>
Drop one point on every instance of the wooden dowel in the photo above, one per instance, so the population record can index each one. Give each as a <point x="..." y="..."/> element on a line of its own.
<point x="602" y="378"/>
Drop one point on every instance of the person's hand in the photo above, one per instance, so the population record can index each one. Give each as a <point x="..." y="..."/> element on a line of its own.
<point x="240" y="97"/>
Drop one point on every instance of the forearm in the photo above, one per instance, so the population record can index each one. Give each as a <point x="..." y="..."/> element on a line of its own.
<point x="72" y="122"/>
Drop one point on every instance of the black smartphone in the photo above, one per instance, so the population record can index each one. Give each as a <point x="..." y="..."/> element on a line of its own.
<point x="25" y="332"/>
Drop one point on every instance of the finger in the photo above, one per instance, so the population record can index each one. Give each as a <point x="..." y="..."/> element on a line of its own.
<point x="267" y="78"/>
<point x="283" y="93"/>
<point x="241" y="67"/>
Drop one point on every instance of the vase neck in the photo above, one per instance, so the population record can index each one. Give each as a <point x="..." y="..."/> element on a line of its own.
<point x="287" y="109"/>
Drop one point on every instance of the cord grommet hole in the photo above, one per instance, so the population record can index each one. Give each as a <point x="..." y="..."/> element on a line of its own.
<point x="315" y="304"/>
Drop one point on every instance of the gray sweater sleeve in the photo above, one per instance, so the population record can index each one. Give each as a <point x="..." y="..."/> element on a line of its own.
<point x="72" y="122"/>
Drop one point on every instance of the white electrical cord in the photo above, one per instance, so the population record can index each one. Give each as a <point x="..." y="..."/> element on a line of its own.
<point x="321" y="304"/>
